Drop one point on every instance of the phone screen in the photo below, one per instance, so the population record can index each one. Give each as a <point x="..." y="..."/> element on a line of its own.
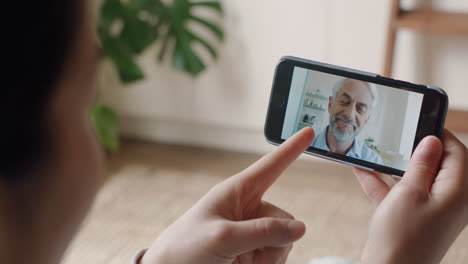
<point x="358" y="119"/>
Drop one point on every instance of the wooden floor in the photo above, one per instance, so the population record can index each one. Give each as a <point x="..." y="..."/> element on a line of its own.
<point x="150" y="185"/>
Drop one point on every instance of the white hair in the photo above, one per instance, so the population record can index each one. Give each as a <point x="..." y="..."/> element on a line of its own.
<point x="339" y="84"/>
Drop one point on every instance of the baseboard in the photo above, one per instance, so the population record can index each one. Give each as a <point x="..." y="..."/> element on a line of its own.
<point x="239" y="139"/>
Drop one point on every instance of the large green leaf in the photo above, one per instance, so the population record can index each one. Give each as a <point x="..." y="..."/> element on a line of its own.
<point x="122" y="56"/>
<point x="214" y="28"/>
<point x="185" y="59"/>
<point x="154" y="7"/>
<point x="211" y="4"/>
<point x="105" y="121"/>
<point x="110" y="11"/>
<point x="135" y="35"/>
<point x="142" y="22"/>
<point x="179" y="17"/>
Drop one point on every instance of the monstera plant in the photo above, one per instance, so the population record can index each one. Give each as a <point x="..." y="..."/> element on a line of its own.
<point x="127" y="28"/>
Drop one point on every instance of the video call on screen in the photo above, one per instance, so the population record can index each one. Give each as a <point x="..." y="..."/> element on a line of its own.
<point x="362" y="120"/>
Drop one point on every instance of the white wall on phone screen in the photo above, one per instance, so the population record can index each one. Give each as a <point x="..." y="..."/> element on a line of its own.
<point x="413" y="109"/>
<point x="294" y="104"/>
<point x="225" y="107"/>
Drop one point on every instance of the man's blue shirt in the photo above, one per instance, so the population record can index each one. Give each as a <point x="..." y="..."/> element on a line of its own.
<point x="358" y="150"/>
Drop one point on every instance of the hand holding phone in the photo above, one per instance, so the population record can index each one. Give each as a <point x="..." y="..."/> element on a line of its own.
<point x="421" y="216"/>
<point x="359" y="118"/>
<point x="232" y="223"/>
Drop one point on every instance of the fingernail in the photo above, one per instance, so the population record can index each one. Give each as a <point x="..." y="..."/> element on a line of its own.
<point x="296" y="227"/>
<point x="423" y="144"/>
<point x="427" y="147"/>
<point x="310" y="130"/>
<point x="307" y="128"/>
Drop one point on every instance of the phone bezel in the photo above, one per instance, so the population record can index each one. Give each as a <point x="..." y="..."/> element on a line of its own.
<point x="430" y="122"/>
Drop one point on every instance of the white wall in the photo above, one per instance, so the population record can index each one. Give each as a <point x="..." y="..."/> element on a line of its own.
<point x="226" y="106"/>
<point x="300" y="76"/>
<point x="413" y="109"/>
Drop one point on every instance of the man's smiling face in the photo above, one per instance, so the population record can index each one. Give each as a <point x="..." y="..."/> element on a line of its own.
<point x="349" y="110"/>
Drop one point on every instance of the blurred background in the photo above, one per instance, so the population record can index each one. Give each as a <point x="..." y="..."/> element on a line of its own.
<point x="182" y="127"/>
<point x="229" y="99"/>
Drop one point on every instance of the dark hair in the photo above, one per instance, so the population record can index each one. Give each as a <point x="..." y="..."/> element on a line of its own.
<point x="39" y="36"/>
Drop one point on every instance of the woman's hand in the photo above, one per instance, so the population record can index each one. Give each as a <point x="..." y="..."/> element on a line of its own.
<point x="418" y="219"/>
<point x="231" y="223"/>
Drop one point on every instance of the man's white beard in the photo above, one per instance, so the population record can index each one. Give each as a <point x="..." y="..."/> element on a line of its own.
<point x="346" y="134"/>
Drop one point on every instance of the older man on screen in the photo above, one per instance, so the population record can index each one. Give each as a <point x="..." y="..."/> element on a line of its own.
<point x="350" y="108"/>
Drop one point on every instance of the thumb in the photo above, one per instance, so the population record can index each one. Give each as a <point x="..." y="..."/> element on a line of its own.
<point x="424" y="164"/>
<point x="266" y="232"/>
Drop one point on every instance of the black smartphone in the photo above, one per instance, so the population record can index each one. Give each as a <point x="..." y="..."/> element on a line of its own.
<point x="359" y="118"/>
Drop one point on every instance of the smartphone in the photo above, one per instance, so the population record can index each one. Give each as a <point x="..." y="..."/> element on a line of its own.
<point x="361" y="119"/>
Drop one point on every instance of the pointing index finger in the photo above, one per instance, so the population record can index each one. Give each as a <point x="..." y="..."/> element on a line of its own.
<point x="263" y="173"/>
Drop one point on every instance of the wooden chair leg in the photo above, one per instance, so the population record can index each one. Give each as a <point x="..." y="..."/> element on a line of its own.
<point x="389" y="52"/>
<point x="391" y="38"/>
